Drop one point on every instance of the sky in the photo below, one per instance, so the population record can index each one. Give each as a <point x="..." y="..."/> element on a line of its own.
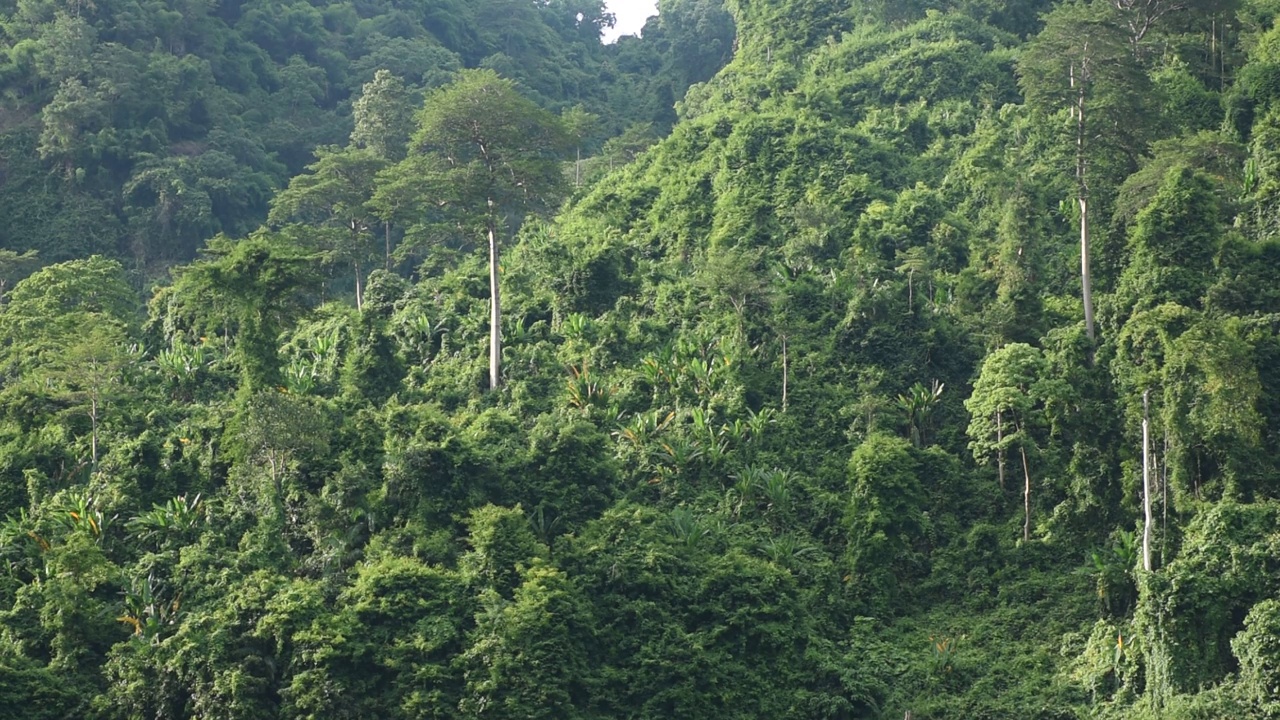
<point x="631" y="15"/>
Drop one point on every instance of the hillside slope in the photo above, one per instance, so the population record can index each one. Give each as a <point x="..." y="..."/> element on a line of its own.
<point x="801" y="413"/>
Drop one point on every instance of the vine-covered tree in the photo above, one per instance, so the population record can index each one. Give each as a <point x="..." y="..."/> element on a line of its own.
<point x="484" y="157"/>
<point x="1006" y="410"/>
<point x="1081" y="65"/>
<point x="332" y="198"/>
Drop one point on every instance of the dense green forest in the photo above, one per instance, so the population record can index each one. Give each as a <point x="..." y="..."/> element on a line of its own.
<point x="139" y="130"/>
<point x="798" y="359"/>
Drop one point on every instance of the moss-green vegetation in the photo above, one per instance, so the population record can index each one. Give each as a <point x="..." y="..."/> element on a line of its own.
<point x="804" y="411"/>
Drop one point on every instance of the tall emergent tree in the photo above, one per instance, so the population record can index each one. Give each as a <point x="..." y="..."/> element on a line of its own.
<point x="1012" y="388"/>
<point x="383" y="116"/>
<point x="65" y="329"/>
<point x="580" y="125"/>
<point x="332" y="198"/>
<point x="256" y="286"/>
<point x="1083" y="63"/>
<point x="487" y="157"/>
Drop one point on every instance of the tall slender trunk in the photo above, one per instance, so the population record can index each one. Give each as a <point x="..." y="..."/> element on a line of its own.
<point x="1146" y="481"/>
<point x="359" y="287"/>
<point x="277" y="467"/>
<point x="1222" y="55"/>
<point x="1164" y="496"/>
<point x="784" y="373"/>
<point x="354" y="224"/>
<point x="1213" y="46"/>
<point x="577" y="167"/>
<point x="93" y="418"/>
<point x="1082" y="194"/>
<point x="1026" y="497"/>
<point x="386" y="230"/>
<point x="495" y="311"/>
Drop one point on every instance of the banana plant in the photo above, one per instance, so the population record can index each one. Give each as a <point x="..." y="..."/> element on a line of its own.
<point x="677" y="456"/>
<point x="747" y="483"/>
<point x="147" y="611"/>
<point x="421" y="337"/>
<point x="324" y="353"/>
<point x="300" y="376"/>
<point x="575" y="326"/>
<point x="775" y="487"/>
<point x="82" y="514"/>
<point x="687" y="528"/>
<point x="643" y="427"/>
<point x="174" y="517"/>
<point x="182" y="364"/>
<point x="756" y="426"/>
<point x="783" y="549"/>
<point x="545" y="525"/>
<point x="917" y="406"/>
<point x="942" y="654"/>
<point x="705" y="430"/>
<point x="584" y="391"/>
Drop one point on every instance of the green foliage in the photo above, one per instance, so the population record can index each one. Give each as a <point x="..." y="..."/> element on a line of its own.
<point x="142" y="131"/>
<point x="755" y="375"/>
<point x="527" y="656"/>
<point x="383" y="117"/>
<point x="491" y="151"/>
<point x="887" y="518"/>
<point x="258" y="284"/>
<point x="1173" y="245"/>
<point x="1009" y="390"/>
<point x="502" y="545"/>
<point x="47" y="308"/>
<point x="1255" y="648"/>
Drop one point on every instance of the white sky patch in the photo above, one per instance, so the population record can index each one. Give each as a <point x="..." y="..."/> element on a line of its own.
<point x="631" y="15"/>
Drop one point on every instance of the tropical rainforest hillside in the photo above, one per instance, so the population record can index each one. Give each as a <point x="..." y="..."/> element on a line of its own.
<point x="361" y="361"/>
<point x="139" y="130"/>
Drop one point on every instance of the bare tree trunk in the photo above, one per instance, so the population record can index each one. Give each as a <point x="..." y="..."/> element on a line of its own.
<point x="784" y="373"/>
<point x="1086" y="283"/>
<point x="1222" y="57"/>
<point x="1146" y="481"/>
<point x="1213" y="47"/>
<point x="1082" y="190"/>
<point x="386" y="230"/>
<point x="1164" y="495"/>
<point x="577" y="167"/>
<point x="495" y="312"/>
<point x="359" y="288"/>
<point x="1026" y="498"/>
<point x="93" y="418"/>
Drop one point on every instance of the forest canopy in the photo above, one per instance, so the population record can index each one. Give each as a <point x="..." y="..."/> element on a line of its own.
<point x="796" y="359"/>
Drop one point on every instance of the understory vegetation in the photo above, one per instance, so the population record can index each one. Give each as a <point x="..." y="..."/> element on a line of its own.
<point x="798" y="359"/>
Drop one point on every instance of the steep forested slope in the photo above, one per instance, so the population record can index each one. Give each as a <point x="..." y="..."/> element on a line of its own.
<point x="807" y="411"/>
<point x="139" y="130"/>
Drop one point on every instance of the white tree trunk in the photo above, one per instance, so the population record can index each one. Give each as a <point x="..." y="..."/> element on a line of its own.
<point x="784" y="373"/>
<point x="1086" y="283"/>
<point x="1146" y="482"/>
<point x="359" y="288"/>
<point x="93" y="418"/>
<point x="495" y="313"/>
<point x="1082" y="189"/>
<point x="1026" y="498"/>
